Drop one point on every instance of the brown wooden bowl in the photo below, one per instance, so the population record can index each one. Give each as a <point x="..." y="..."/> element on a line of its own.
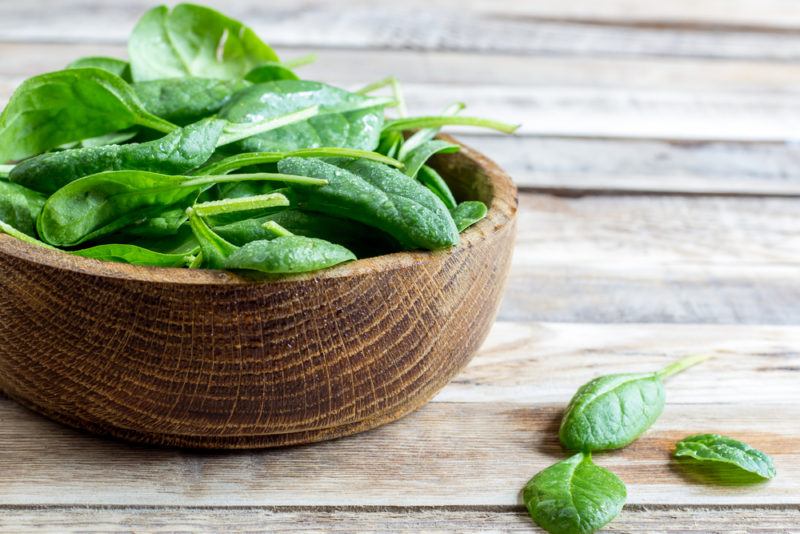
<point x="209" y="359"/>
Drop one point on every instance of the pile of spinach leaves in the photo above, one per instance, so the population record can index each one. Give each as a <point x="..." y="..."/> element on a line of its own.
<point x="206" y="150"/>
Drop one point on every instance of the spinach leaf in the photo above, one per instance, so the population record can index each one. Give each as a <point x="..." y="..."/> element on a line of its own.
<point x="424" y="135"/>
<point x="163" y="224"/>
<point x="53" y="109"/>
<point x="434" y="182"/>
<point x="574" y="496"/>
<point x="214" y="249"/>
<point x="269" y="72"/>
<point x="134" y="255"/>
<point x="5" y="170"/>
<point x="103" y="203"/>
<point x="120" y="67"/>
<point x="186" y="100"/>
<point x="716" y="448"/>
<point x="362" y="240"/>
<point x="611" y="411"/>
<point x="7" y="229"/>
<point x="288" y="255"/>
<point x="193" y="40"/>
<point x="247" y="159"/>
<point x="19" y="207"/>
<point x="415" y="159"/>
<point x="375" y="195"/>
<point x="345" y="119"/>
<point x="468" y="213"/>
<point x="178" y="152"/>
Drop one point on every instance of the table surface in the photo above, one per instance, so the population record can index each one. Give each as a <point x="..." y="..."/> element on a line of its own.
<point x="659" y="216"/>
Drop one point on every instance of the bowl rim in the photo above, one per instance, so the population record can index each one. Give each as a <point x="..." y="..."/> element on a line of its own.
<point x="501" y="212"/>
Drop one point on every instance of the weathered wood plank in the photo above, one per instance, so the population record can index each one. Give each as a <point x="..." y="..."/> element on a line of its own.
<point x="546" y="362"/>
<point x="414" y="24"/>
<point x="655" y="259"/>
<point x="476" y="444"/>
<point x="393" y="519"/>
<point x="445" y="454"/>
<point x="571" y="165"/>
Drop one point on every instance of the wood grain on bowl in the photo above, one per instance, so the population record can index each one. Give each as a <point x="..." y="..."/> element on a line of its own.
<point x="210" y="359"/>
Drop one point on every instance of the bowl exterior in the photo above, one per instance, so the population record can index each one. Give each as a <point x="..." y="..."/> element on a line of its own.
<point x="246" y="364"/>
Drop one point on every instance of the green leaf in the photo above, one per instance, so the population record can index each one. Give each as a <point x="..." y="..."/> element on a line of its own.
<point x="62" y="107"/>
<point x="238" y="161"/>
<point x="19" y="207"/>
<point x="434" y="182"/>
<point x="611" y="411"/>
<point x="361" y="239"/>
<point x="7" y="229"/>
<point x="574" y="496"/>
<point x="288" y="255"/>
<point x="215" y="250"/>
<point x="192" y="40"/>
<point x="186" y="100"/>
<point x="375" y="195"/>
<point x="134" y="255"/>
<point x="716" y="448"/>
<point x="345" y="119"/>
<point x="415" y="159"/>
<point x="103" y="203"/>
<point x="468" y="213"/>
<point x="270" y="72"/>
<point x="119" y="67"/>
<point x="423" y="135"/>
<point x="176" y="153"/>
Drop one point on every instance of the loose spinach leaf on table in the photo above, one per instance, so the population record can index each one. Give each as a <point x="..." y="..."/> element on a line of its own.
<point x="375" y="195"/>
<point x="574" y="496"/>
<point x="104" y="203"/>
<point x="186" y="100"/>
<point x="345" y="119"/>
<point x="120" y="67"/>
<point x="19" y="207"/>
<point x="61" y="107"/>
<point x="611" y="411"/>
<point x="192" y="40"/>
<point x="729" y="451"/>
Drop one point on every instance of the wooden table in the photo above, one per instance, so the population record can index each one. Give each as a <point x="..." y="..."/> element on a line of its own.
<point x="660" y="216"/>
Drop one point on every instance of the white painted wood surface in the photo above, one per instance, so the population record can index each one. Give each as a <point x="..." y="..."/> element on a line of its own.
<point x="659" y="216"/>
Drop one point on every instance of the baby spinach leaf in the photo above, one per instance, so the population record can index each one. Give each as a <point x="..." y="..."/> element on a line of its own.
<point x="375" y="195"/>
<point x="215" y="250"/>
<point x="19" y="207"/>
<point x="611" y="411"/>
<point x="126" y="253"/>
<point x="178" y="152"/>
<point x="345" y="119"/>
<point x="433" y="181"/>
<point x="574" y="496"/>
<point x="61" y="107"/>
<point x="120" y="67"/>
<point x="716" y="448"/>
<point x="193" y="40"/>
<point x="361" y="239"/>
<point x="288" y="255"/>
<point x="103" y="203"/>
<point x="468" y="213"/>
<point x="269" y="72"/>
<point x="7" y="229"/>
<point x="186" y="100"/>
<point x="233" y="163"/>
<point x="415" y="159"/>
<point x="163" y="224"/>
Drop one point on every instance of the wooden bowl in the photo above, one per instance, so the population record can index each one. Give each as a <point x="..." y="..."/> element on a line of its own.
<point x="209" y="359"/>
